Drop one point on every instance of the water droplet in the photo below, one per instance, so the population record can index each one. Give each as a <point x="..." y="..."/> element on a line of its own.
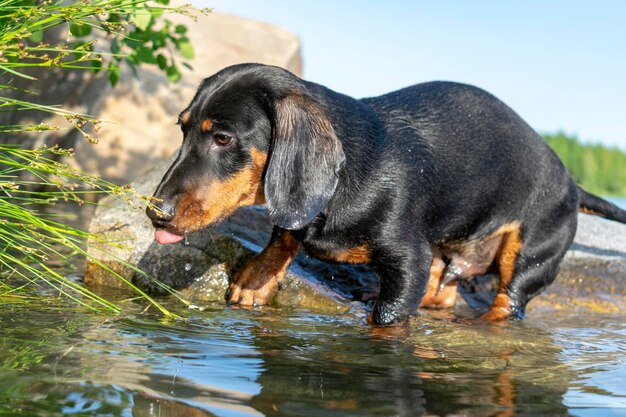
<point x="186" y="240"/>
<point x="187" y="267"/>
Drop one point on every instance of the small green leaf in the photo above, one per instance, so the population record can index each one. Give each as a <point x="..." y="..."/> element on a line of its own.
<point x="162" y="61"/>
<point x="79" y="30"/>
<point x="96" y="65"/>
<point x="145" y="54"/>
<point x="142" y="19"/>
<point x="113" y="77"/>
<point x="133" y="43"/>
<point x="115" y="47"/>
<point x="114" y="73"/>
<point x="186" y="49"/>
<point x="181" y="29"/>
<point x="158" y="39"/>
<point x="173" y="74"/>
<point x="141" y="36"/>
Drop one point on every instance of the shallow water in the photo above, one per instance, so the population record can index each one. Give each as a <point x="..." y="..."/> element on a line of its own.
<point x="229" y="361"/>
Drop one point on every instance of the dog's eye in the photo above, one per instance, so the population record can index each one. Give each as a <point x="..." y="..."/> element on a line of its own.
<point x="222" y="139"/>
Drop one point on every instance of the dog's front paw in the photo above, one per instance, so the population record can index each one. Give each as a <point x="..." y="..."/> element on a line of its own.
<point x="388" y="313"/>
<point x="253" y="286"/>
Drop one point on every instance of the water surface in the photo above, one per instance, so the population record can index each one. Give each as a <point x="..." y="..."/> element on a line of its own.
<point x="229" y="361"/>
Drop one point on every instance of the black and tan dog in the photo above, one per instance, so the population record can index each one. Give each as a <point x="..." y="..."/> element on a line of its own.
<point x="429" y="184"/>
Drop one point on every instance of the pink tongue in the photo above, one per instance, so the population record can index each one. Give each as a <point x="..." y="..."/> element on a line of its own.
<point x="164" y="237"/>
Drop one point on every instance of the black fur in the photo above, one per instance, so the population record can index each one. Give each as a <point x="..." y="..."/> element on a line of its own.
<point x="430" y="166"/>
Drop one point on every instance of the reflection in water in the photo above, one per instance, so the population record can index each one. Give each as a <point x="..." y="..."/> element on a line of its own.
<point x="237" y="362"/>
<point x="443" y="368"/>
<point x="149" y="406"/>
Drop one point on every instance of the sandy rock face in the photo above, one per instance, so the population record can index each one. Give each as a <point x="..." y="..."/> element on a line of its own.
<point x="140" y="113"/>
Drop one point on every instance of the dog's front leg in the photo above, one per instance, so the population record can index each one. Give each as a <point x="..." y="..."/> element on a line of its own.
<point x="259" y="279"/>
<point x="403" y="273"/>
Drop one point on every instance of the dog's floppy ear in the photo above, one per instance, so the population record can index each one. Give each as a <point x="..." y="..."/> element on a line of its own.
<point x="306" y="157"/>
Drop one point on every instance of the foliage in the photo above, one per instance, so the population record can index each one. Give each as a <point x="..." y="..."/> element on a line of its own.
<point x="599" y="169"/>
<point x="31" y="179"/>
<point x="135" y="33"/>
<point x="30" y="238"/>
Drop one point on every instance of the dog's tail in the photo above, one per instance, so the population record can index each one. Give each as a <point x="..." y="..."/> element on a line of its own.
<point x="591" y="204"/>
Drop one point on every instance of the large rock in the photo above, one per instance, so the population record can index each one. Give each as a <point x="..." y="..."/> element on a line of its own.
<point x="202" y="266"/>
<point x="591" y="278"/>
<point x="139" y="114"/>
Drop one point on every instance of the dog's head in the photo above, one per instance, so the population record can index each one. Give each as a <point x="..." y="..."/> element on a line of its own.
<point x="252" y="134"/>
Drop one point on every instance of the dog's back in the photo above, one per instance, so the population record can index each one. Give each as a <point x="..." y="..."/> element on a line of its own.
<point x="477" y="160"/>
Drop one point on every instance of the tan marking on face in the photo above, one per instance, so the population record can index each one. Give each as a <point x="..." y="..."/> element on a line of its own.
<point x="436" y="297"/>
<point x="184" y="118"/>
<point x="207" y="124"/>
<point x="356" y="255"/>
<point x="210" y="203"/>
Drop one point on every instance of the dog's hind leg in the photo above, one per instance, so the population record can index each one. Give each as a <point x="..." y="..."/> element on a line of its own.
<point x="528" y="261"/>
<point x="439" y="294"/>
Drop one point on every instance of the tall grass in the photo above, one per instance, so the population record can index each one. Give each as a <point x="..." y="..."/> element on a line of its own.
<point x="32" y="180"/>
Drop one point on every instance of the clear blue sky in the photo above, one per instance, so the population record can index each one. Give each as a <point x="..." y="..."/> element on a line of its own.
<point x="560" y="64"/>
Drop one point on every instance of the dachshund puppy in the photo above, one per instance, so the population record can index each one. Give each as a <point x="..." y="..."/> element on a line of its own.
<point x="428" y="185"/>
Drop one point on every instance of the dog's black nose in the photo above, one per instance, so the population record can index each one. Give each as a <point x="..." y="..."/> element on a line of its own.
<point x="161" y="213"/>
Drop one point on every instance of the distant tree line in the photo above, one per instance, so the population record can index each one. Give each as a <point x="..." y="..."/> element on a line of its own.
<point x="599" y="169"/>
